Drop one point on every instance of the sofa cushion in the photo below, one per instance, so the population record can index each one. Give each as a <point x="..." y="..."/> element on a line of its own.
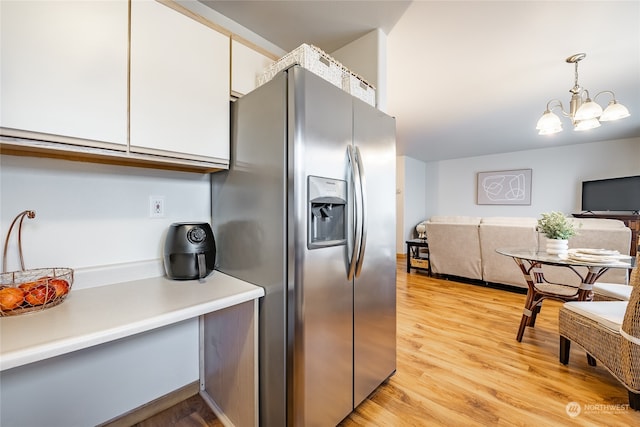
<point x="497" y="268"/>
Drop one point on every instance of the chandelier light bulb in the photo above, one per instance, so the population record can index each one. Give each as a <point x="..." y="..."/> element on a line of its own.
<point x="550" y="131"/>
<point x="614" y="111"/>
<point x="549" y="124"/>
<point x="586" y="124"/>
<point x="588" y="110"/>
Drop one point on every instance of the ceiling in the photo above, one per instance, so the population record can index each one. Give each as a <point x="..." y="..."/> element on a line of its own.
<point x="471" y="78"/>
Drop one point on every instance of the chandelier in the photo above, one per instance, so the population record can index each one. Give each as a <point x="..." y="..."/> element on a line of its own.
<point x="583" y="112"/>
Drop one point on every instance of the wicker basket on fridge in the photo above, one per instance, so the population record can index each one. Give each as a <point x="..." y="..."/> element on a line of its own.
<point x="310" y="57"/>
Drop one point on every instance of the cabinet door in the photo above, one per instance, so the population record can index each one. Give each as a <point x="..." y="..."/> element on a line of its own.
<point x="179" y="85"/>
<point x="64" y="69"/>
<point x="246" y="65"/>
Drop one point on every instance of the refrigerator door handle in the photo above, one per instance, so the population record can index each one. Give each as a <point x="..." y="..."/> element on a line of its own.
<point x="363" y="210"/>
<point x="355" y="176"/>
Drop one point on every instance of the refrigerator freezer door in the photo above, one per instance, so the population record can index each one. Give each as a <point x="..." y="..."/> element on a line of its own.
<point x="249" y="216"/>
<point x="321" y="327"/>
<point x="375" y="287"/>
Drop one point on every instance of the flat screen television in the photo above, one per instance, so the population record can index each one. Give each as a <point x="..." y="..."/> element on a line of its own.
<point x="614" y="194"/>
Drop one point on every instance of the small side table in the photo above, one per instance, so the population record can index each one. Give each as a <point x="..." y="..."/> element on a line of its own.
<point x="418" y="251"/>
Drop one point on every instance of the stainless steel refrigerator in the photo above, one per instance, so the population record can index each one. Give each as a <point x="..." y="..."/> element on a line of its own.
<point x="307" y="211"/>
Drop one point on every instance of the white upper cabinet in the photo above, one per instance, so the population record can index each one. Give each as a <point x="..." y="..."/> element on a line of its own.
<point x="246" y="65"/>
<point x="64" y="69"/>
<point x="179" y="102"/>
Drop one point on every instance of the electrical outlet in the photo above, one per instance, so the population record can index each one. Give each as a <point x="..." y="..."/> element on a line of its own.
<point x="156" y="206"/>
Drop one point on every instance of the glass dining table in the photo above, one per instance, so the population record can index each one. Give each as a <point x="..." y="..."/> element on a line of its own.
<point x="530" y="262"/>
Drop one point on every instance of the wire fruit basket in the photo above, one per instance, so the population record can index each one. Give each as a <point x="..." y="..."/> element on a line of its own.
<point x="35" y="289"/>
<point x="31" y="290"/>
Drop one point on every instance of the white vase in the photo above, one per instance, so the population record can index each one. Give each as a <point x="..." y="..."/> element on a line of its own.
<point x="557" y="246"/>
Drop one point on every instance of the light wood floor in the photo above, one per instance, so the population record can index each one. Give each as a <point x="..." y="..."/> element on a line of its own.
<point x="459" y="364"/>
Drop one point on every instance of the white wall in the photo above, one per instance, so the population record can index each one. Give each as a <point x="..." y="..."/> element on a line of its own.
<point x="411" y="178"/>
<point x="92" y="214"/>
<point x="367" y="57"/>
<point x="400" y="192"/>
<point x="557" y="174"/>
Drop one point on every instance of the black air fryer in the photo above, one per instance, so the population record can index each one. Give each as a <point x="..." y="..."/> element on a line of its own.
<point x="189" y="251"/>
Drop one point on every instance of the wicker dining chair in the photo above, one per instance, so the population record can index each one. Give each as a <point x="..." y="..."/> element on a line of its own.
<point x="609" y="331"/>
<point x="611" y="292"/>
<point x="603" y="291"/>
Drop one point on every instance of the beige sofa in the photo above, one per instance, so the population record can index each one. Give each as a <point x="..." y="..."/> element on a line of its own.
<point x="465" y="246"/>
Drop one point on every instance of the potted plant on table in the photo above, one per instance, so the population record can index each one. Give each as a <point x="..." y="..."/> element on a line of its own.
<point x="558" y="229"/>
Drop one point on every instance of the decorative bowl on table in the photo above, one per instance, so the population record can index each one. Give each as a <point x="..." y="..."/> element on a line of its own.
<point x="28" y="291"/>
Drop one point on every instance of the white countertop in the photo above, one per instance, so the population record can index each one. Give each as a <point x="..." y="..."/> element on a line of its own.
<point x="98" y="315"/>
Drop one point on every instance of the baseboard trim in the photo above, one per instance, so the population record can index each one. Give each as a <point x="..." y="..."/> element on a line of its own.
<point x="154" y="407"/>
<point x="482" y="283"/>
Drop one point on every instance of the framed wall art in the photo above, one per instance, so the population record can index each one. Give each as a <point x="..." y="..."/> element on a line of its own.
<point x="509" y="187"/>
